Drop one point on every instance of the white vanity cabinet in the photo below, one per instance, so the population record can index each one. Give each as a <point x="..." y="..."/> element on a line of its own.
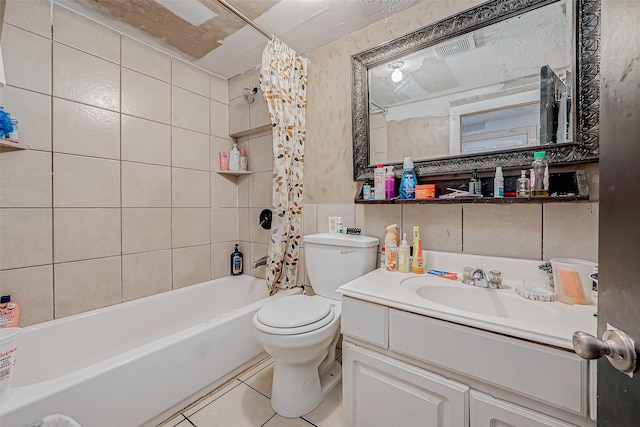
<point x="406" y="369"/>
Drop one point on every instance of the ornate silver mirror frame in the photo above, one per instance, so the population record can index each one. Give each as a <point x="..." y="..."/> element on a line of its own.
<point x="587" y="92"/>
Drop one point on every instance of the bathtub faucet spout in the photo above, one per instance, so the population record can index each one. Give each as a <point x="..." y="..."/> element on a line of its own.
<point x="259" y="262"/>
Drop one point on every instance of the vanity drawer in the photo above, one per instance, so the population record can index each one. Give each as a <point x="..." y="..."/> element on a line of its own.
<point x="365" y="321"/>
<point x="546" y="374"/>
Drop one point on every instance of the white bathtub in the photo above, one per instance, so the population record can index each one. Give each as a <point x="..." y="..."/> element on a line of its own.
<point x="137" y="363"/>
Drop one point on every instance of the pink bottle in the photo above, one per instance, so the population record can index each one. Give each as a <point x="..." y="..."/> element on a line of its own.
<point x="389" y="184"/>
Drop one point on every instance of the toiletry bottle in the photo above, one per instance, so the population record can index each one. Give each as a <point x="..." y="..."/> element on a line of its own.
<point x="403" y="256"/>
<point x="366" y="191"/>
<point x="243" y="160"/>
<point x="234" y="158"/>
<point x="378" y="182"/>
<point x="408" y="181"/>
<point x="391" y="261"/>
<point x="389" y="184"/>
<point x="475" y="185"/>
<point x="9" y="312"/>
<point x="236" y="262"/>
<point x="523" y="184"/>
<point x="339" y="225"/>
<point x="224" y="161"/>
<point x="498" y="183"/>
<point x="416" y="265"/>
<point x="540" y="186"/>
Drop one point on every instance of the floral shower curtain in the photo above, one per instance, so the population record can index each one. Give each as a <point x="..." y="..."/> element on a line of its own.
<point x="283" y="80"/>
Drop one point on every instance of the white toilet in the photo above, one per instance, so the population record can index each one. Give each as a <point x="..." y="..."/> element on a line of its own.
<point x="300" y="332"/>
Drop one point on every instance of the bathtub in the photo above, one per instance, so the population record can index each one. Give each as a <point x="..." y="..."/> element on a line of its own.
<point x="137" y="363"/>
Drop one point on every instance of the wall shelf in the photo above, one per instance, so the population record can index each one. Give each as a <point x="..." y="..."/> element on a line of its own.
<point x="10" y="145"/>
<point x="484" y="200"/>
<point x="236" y="173"/>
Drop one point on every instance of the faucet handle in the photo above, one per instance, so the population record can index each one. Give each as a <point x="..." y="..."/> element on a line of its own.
<point x="495" y="279"/>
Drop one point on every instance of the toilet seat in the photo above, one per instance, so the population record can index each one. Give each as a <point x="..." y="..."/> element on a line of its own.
<point x="296" y="314"/>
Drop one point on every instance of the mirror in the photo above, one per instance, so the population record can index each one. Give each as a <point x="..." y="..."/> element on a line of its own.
<point x="485" y="87"/>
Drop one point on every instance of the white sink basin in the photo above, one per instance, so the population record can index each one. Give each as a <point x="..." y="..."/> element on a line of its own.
<point x="503" y="303"/>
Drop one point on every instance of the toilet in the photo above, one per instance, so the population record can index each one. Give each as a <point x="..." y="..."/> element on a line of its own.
<point x="300" y="332"/>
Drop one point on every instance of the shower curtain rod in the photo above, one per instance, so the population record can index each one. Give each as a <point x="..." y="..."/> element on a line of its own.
<point x="245" y="19"/>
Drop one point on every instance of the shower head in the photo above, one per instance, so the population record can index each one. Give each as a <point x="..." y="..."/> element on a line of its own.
<point x="249" y="94"/>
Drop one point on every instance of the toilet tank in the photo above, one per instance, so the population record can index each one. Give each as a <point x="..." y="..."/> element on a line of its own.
<point x="333" y="259"/>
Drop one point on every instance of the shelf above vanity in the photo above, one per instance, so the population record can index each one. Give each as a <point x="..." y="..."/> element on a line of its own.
<point x="10" y="145"/>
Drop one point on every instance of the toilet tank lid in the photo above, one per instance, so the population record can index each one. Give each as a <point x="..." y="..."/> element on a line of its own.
<point x="350" y="240"/>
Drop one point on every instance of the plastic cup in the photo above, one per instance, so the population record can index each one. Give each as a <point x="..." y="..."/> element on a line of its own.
<point x="8" y="352"/>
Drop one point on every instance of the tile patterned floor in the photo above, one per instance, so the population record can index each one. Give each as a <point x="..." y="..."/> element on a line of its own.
<point x="244" y="402"/>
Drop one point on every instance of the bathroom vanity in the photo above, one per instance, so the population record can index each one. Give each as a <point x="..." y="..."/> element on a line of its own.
<point x="425" y="350"/>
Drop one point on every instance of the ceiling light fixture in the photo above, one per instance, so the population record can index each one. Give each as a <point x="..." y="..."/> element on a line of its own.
<point x="396" y="75"/>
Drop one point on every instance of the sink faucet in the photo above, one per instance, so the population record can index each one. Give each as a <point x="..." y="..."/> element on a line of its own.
<point x="479" y="278"/>
<point x="259" y="262"/>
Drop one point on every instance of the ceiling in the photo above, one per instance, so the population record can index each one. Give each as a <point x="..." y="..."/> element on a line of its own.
<point x="205" y="34"/>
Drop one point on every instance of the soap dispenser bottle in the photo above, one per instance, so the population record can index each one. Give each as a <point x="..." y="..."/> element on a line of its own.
<point x="234" y="159"/>
<point x="236" y="262"/>
<point x="498" y="183"/>
<point x="403" y="256"/>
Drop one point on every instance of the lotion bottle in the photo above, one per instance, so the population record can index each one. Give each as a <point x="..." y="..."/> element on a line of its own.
<point x="234" y="159"/>
<point x="403" y="256"/>
<point x="243" y="160"/>
<point x="498" y="183"/>
<point x="378" y="182"/>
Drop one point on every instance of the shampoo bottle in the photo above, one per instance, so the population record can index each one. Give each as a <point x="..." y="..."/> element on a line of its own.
<point x="403" y="256"/>
<point x="498" y="183"/>
<point x="234" y="158"/>
<point x="9" y="313"/>
<point x="389" y="184"/>
<point x="378" y="182"/>
<point x="408" y="181"/>
<point x="243" y="160"/>
<point x="236" y="262"/>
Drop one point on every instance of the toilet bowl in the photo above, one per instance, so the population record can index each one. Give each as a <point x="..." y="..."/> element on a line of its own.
<point x="300" y="332"/>
<point x="303" y="350"/>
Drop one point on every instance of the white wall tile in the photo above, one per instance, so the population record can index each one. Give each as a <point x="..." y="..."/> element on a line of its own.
<point x="239" y="117"/>
<point x="87" y="285"/>
<point x="261" y="190"/>
<point x="25" y="237"/>
<point x="192" y="78"/>
<point x="191" y="265"/>
<point x="224" y="190"/>
<point x="220" y="259"/>
<point x="219" y="119"/>
<point x="440" y="226"/>
<point x="219" y="89"/>
<point x="243" y="225"/>
<point x="145" y="229"/>
<point x="145" y="141"/>
<point x="86" y="233"/>
<point x="224" y="225"/>
<point x="27" y="59"/>
<point x="503" y="230"/>
<point x="85" y="182"/>
<point x="85" y="34"/>
<point x="345" y="210"/>
<point x="190" y="227"/>
<point x="145" y="59"/>
<point x="146" y="97"/>
<point x="190" y="149"/>
<point x="33" y="112"/>
<point x="260" y="153"/>
<point x="309" y="219"/>
<point x="570" y="230"/>
<point x="85" y="78"/>
<point x="190" y="188"/>
<point x="146" y="274"/>
<point x="34" y="16"/>
<point x="85" y="130"/>
<point x="189" y="110"/>
<point x="237" y="83"/>
<point x="32" y="287"/>
<point x="22" y="186"/>
<point x="145" y="185"/>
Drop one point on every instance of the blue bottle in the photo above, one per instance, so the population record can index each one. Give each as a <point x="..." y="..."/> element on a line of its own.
<point x="236" y="262"/>
<point x="408" y="180"/>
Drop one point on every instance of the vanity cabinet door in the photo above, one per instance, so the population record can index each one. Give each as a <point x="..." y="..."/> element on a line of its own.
<point x="380" y="392"/>
<point x="489" y="412"/>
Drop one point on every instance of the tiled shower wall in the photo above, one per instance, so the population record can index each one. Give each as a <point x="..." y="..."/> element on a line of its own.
<point x="117" y="197"/>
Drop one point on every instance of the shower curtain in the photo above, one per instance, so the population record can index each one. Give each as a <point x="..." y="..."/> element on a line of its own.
<point x="283" y="80"/>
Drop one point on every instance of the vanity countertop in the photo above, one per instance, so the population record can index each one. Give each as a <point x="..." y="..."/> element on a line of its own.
<point x="551" y="323"/>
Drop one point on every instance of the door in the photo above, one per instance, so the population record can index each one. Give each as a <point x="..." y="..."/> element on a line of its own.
<point x="619" y="235"/>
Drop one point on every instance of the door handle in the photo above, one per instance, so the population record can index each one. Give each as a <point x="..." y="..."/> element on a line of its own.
<point x="615" y="344"/>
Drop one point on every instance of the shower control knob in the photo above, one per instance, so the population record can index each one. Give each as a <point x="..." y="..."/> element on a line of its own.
<point x="615" y="344"/>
